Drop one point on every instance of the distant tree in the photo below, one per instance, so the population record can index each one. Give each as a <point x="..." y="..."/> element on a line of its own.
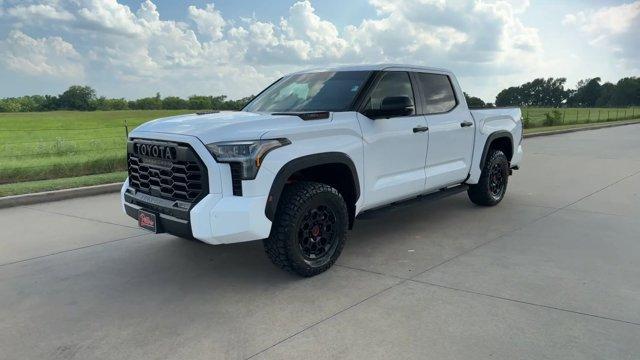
<point x="219" y="102"/>
<point x="587" y="93"/>
<point x="149" y="103"/>
<point x="509" y="97"/>
<point x="77" y="98"/>
<point x="240" y="103"/>
<point x="626" y="93"/>
<point x="84" y="98"/>
<point x="539" y="92"/>
<point x="49" y="103"/>
<point x="174" y="103"/>
<point x="10" y="105"/>
<point x="117" y="104"/>
<point x="197" y="102"/>
<point x="474" y="102"/>
<point x="106" y="104"/>
<point x="606" y="92"/>
<point x="28" y="103"/>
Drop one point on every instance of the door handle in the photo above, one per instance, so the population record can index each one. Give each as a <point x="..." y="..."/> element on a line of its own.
<point x="418" y="129"/>
<point x="466" y="124"/>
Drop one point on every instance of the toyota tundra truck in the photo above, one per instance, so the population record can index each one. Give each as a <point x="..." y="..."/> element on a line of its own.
<point x="313" y="151"/>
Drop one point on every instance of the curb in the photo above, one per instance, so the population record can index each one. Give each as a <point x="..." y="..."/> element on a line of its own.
<point x="35" y="198"/>
<point x="55" y="195"/>
<point x="565" y="131"/>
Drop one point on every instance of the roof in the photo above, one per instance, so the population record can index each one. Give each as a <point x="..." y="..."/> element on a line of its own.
<point x="375" y="67"/>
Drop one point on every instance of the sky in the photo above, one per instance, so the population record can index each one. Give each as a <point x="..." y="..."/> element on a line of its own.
<point x="134" y="48"/>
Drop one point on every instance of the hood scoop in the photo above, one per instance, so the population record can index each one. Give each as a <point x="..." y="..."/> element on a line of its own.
<point x="307" y="115"/>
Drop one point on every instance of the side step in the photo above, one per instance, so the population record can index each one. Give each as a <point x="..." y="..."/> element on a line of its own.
<point x="442" y="193"/>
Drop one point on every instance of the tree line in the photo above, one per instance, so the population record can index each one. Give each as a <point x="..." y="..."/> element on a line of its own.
<point x="84" y="98"/>
<point x="551" y="92"/>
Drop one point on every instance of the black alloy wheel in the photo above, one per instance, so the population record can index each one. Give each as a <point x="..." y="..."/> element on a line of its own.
<point x="492" y="185"/>
<point x="316" y="235"/>
<point x="309" y="229"/>
<point x="497" y="180"/>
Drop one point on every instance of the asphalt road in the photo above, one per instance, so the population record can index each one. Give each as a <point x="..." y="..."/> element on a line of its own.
<point x="553" y="272"/>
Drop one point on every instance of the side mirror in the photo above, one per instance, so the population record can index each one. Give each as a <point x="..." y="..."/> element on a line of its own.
<point x="393" y="106"/>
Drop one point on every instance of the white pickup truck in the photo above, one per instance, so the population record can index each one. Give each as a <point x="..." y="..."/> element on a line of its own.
<point x="313" y="151"/>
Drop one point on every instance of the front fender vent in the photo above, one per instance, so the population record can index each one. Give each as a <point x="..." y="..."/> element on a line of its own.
<point x="236" y="171"/>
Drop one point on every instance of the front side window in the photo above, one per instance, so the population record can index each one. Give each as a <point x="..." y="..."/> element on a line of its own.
<point x="393" y="84"/>
<point x="318" y="91"/>
<point x="438" y="93"/>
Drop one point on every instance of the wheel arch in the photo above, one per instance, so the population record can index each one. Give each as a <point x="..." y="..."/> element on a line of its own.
<point x="501" y="139"/>
<point x="329" y="165"/>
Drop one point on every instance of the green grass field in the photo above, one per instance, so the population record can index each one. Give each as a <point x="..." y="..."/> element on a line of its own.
<point x="49" y="145"/>
<point x="50" y="149"/>
<point x="535" y="117"/>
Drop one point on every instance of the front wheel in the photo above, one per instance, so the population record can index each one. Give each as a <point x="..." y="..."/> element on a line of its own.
<point x="492" y="186"/>
<point x="309" y="229"/>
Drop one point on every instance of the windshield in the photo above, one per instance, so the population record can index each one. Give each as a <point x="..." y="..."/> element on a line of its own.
<point x="318" y="91"/>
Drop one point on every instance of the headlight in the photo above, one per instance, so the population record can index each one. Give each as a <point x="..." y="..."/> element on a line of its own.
<point x="249" y="154"/>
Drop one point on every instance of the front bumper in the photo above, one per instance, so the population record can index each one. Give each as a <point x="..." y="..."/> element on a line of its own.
<point x="214" y="219"/>
<point x="217" y="218"/>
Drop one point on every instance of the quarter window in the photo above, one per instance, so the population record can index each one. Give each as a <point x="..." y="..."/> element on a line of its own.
<point x="437" y="92"/>
<point x="392" y="84"/>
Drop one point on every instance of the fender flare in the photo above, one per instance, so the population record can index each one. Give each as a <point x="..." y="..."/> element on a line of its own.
<point x="305" y="162"/>
<point x="487" y="144"/>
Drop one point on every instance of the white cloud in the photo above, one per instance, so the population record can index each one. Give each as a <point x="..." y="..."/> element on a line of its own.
<point x="607" y="20"/>
<point x="42" y="11"/>
<point x="321" y="35"/>
<point x="479" y="34"/>
<point x="208" y="20"/>
<point x="49" y="56"/>
<point x="616" y="28"/>
<point x="465" y="32"/>
<point x="107" y="16"/>
<point x="138" y="48"/>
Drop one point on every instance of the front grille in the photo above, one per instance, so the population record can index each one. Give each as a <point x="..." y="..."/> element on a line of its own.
<point x="181" y="176"/>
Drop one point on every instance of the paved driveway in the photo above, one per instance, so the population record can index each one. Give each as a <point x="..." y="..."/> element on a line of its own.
<point x="553" y="272"/>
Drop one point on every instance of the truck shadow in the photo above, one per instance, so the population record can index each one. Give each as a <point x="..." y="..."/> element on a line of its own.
<point x="387" y="231"/>
<point x="438" y="227"/>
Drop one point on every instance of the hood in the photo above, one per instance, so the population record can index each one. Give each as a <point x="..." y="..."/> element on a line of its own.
<point x="220" y="126"/>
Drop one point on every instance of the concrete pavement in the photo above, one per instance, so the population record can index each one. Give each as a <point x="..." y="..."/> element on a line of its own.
<point x="552" y="272"/>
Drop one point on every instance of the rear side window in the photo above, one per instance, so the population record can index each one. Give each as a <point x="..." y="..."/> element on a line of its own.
<point x="392" y="84"/>
<point x="437" y="92"/>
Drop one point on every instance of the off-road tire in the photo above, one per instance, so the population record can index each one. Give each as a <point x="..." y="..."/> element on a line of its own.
<point x="284" y="245"/>
<point x="483" y="193"/>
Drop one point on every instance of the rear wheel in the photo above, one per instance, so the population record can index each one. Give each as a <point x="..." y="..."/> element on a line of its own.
<point x="492" y="185"/>
<point x="309" y="229"/>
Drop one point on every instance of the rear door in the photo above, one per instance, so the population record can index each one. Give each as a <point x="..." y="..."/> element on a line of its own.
<point x="394" y="148"/>
<point x="451" y="131"/>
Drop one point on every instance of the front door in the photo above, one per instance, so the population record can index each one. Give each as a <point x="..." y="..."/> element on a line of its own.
<point x="395" y="148"/>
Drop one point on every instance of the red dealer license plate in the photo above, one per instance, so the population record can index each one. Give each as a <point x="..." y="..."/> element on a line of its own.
<point x="147" y="220"/>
